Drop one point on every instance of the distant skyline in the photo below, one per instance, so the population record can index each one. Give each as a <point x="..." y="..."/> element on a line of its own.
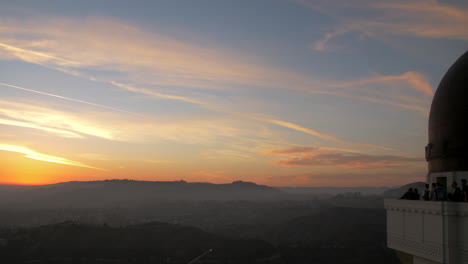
<point x="278" y="92"/>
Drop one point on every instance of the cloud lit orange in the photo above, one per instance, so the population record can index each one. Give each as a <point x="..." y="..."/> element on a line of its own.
<point x="43" y="157"/>
<point x="341" y="90"/>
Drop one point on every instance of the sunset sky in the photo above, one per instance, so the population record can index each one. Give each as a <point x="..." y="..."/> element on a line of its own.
<point x="277" y="92"/>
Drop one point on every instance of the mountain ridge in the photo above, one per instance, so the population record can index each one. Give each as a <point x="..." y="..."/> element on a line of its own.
<point x="128" y="193"/>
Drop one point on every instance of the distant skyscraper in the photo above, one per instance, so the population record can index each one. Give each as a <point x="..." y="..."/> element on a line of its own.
<point x="429" y="232"/>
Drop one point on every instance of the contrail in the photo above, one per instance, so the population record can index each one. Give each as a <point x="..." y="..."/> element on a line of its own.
<point x="192" y="101"/>
<point x="189" y="100"/>
<point x="45" y="55"/>
<point x="65" y="98"/>
<point x="281" y="123"/>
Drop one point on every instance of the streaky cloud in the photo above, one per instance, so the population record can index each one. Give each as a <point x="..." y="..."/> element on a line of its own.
<point x="252" y="116"/>
<point x="35" y="56"/>
<point x="310" y="156"/>
<point x="416" y="80"/>
<point x="356" y="161"/>
<point x="60" y="132"/>
<point x="171" y="58"/>
<point x="158" y="60"/>
<point x="29" y="153"/>
<point x="208" y="106"/>
<point x="49" y="120"/>
<point x="317" y="133"/>
<point x="64" y="98"/>
<point x="348" y="178"/>
<point x="306" y="149"/>
<point x="418" y="18"/>
<point x="211" y="134"/>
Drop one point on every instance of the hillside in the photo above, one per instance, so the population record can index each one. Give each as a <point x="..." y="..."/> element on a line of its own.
<point x="335" y="235"/>
<point x="331" y="191"/>
<point x="126" y="193"/>
<point x="398" y="192"/>
<point x="326" y="236"/>
<point x="71" y="242"/>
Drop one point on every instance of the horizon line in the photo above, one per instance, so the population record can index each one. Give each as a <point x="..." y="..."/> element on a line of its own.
<point x="184" y="181"/>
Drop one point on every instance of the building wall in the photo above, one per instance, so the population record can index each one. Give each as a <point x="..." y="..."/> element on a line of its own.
<point x="418" y="260"/>
<point x="432" y="231"/>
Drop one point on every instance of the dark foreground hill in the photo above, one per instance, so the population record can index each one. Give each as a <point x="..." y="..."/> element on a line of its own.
<point x="70" y="242"/>
<point x="335" y="235"/>
<point x="127" y="193"/>
<point x="398" y="192"/>
<point x="322" y="235"/>
<point x="327" y="192"/>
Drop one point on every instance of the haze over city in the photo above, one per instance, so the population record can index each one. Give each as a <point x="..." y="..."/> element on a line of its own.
<point x="280" y="93"/>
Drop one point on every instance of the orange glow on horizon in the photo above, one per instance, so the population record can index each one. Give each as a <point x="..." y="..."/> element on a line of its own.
<point x="25" y="183"/>
<point x="28" y="153"/>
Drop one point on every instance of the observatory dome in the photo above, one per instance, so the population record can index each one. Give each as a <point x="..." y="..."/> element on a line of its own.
<point x="447" y="149"/>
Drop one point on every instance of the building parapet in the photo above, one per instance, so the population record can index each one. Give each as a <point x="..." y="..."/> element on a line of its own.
<point x="427" y="207"/>
<point x="433" y="231"/>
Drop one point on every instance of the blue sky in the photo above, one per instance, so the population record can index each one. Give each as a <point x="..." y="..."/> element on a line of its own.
<point x="280" y="92"/>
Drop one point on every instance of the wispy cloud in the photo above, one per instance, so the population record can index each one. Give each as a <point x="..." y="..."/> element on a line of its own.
<point x="322" y="44"/>
<point x="34" y="56"/>
<point x="159" y="61"/>
<point x="356" y="161"/>
<point x="63" y="97"/>
<point x="53" y="121"/>
<point x="401" y="91"/>
<point x="220" y="133"/>
<point x="416" y="81"/>
<point x="307" y="156"/>
<point x="419" y="18"/>
<point x="29" y="153"/>
<point x="346" y="179"/>
<point x="252" y="116"/>
<point x="151" y="54"/>
<point x="137" y="55"/>
<point x="152" y="60"/>
<point x="59" y="132"/>
<point x="305" y="149"/>
<point x="153" y="93"/>
<point x="424" y="18"/>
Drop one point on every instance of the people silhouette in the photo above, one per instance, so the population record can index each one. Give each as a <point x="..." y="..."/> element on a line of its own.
<point x="426" y="192"/>
<point x="455" y="193"/>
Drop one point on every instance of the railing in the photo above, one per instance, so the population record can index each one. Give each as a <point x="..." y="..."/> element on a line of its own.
<point x="429" y="229"/>
<point x="427" y="207"/>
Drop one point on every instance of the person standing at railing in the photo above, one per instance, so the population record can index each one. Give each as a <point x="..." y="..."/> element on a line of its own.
<point x="408" y="195"/>
<point x="440" y="193"/>
<point x="455" y="193"/>
<point x="432" y="196"/>
<point x="464" y="190"/>
<point x="415" y="195"/>
<point x="426" y="192"/>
